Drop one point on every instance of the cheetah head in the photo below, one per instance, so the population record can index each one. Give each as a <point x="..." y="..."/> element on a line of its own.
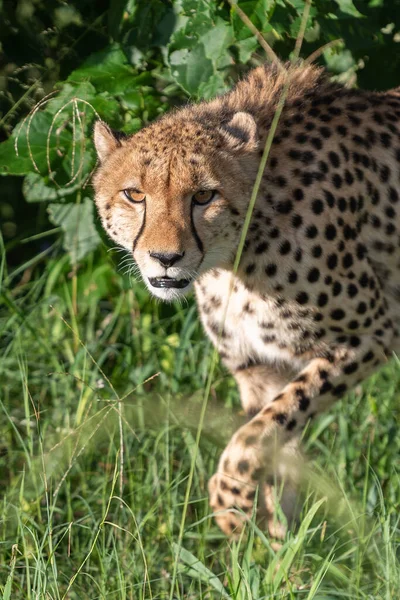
<point x="175" y="193"/>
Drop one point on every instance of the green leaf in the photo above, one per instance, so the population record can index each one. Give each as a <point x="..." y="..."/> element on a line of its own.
<point x="42" y="140"/>
<point x="198" y="570"/>
<point x="199" y="49"/>
<point x="191" y="67"/>
<point x="76" y="220"/>
<point x="28" y="145"/>
<point x="347" y="7"/>
<point x="216" y="41"/>
<point x="108" y="71"/>
<point x="246" y="48"/>
<point x="36" y="189"/>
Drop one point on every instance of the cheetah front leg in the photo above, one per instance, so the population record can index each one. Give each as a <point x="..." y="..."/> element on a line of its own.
<point x="250" y="455"/>
<point x="258" y="385"/>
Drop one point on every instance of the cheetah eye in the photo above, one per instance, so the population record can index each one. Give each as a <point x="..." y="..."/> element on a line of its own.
<point x="134" y="195"/>
<point x="203" y="196"/>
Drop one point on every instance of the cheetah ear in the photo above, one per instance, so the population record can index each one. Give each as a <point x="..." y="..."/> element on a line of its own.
<point x="240" y="133"/>
<point x="106" y="140"/>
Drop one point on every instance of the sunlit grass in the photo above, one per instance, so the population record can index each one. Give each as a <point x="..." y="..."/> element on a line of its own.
<point x="76" y="522"/>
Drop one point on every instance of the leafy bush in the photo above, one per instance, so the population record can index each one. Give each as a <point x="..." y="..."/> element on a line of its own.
<point x="154" y="55"/>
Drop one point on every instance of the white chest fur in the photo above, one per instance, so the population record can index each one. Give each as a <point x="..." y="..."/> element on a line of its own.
<point x="244" y="325"/>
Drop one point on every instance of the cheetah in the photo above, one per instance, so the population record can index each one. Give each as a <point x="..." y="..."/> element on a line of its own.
<point x="314" y="305"/>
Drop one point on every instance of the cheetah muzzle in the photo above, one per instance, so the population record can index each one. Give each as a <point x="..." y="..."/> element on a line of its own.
<point x="315" y="305"/>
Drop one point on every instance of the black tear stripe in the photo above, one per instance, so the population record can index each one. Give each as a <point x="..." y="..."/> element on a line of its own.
<point x="135" y="241"/>
<point x="194" y="232"/>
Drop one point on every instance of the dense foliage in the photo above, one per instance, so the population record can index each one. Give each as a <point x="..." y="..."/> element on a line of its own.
<point x="131" y="62"/>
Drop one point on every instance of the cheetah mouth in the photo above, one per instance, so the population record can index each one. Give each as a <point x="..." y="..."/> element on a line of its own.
<point x="169" y="282"/>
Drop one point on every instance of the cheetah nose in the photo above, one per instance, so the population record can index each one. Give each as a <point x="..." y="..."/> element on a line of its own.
<point x="167" y="259"/>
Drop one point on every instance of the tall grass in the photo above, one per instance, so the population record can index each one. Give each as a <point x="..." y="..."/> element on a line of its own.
<point x="76" y="522"/>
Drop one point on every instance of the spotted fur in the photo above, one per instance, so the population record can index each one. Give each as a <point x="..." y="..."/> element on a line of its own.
<point x="315" y="305"/>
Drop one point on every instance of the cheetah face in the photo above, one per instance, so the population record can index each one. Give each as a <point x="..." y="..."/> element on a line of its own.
<point x="174" y="195"/>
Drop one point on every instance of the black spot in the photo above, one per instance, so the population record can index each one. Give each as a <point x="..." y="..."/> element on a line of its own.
<point x="280" y="418"/>
<point x="304" y="401"/>
<point x="301" y="138"/>
<point x="325" y="132"/>
<point x="250" y="268"/>
<point x="337" y="180"/>
<point x="334" y="158"/>
<point x="332" y="261"/>
<point x="235" y="491"/>
<point x="337" y="288"/>
<point x="280" y="181"/>
<point x="297" y="221"/>
<point x="291" y="425"/>
<point x="273" y="162"/>
<point x="340" y="389"/>
<point x="349" y="179"/>
<point x="317" y="206"/>
<point x="303" y="378"/>
<point x="268" y="339"/>
<point x="344" y="150"/>
<point x="285" y="247"/>
<point x="361" y="251"/>
<point x="271" y="269"/>
<point x="316" y="251"/>
<point x="368" y="356"/>
<point x="354" y="341"/>
<point x="330" y="232"/>
<point x="323" y="166"/>
<point x="302" y="298"/>
<point x="390" y="212"/>
<point x="311" y="232"/>
<point x="362" y="308"/>
<point x="393" y="195"/>
<point x="386" y="140"/>
<point x="316" y="142"/>
<point x="284" y="207"/>
<point x="298" y="194"/>
<point x="384" y="174"/>
<point x="307" y="178"/>
<point x="325" y="387"/>
<point x="338" y="314"/>
<point x="355" y="120"/>
<point x="298" y="255"/>
<point x="243" y="466"/>
<point x="347" y="261"/>
<point x="313" y="275"/>
<point x="292" y="277"/>
<point x="352" y="291"/>
<point x="261" y="247"/>
<point x="310" y="126"/>
<point x="329" y="197"/>
<point x="322" y="299"/>
<point x="350" y="368"/>
<point x="274" y="233"/>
